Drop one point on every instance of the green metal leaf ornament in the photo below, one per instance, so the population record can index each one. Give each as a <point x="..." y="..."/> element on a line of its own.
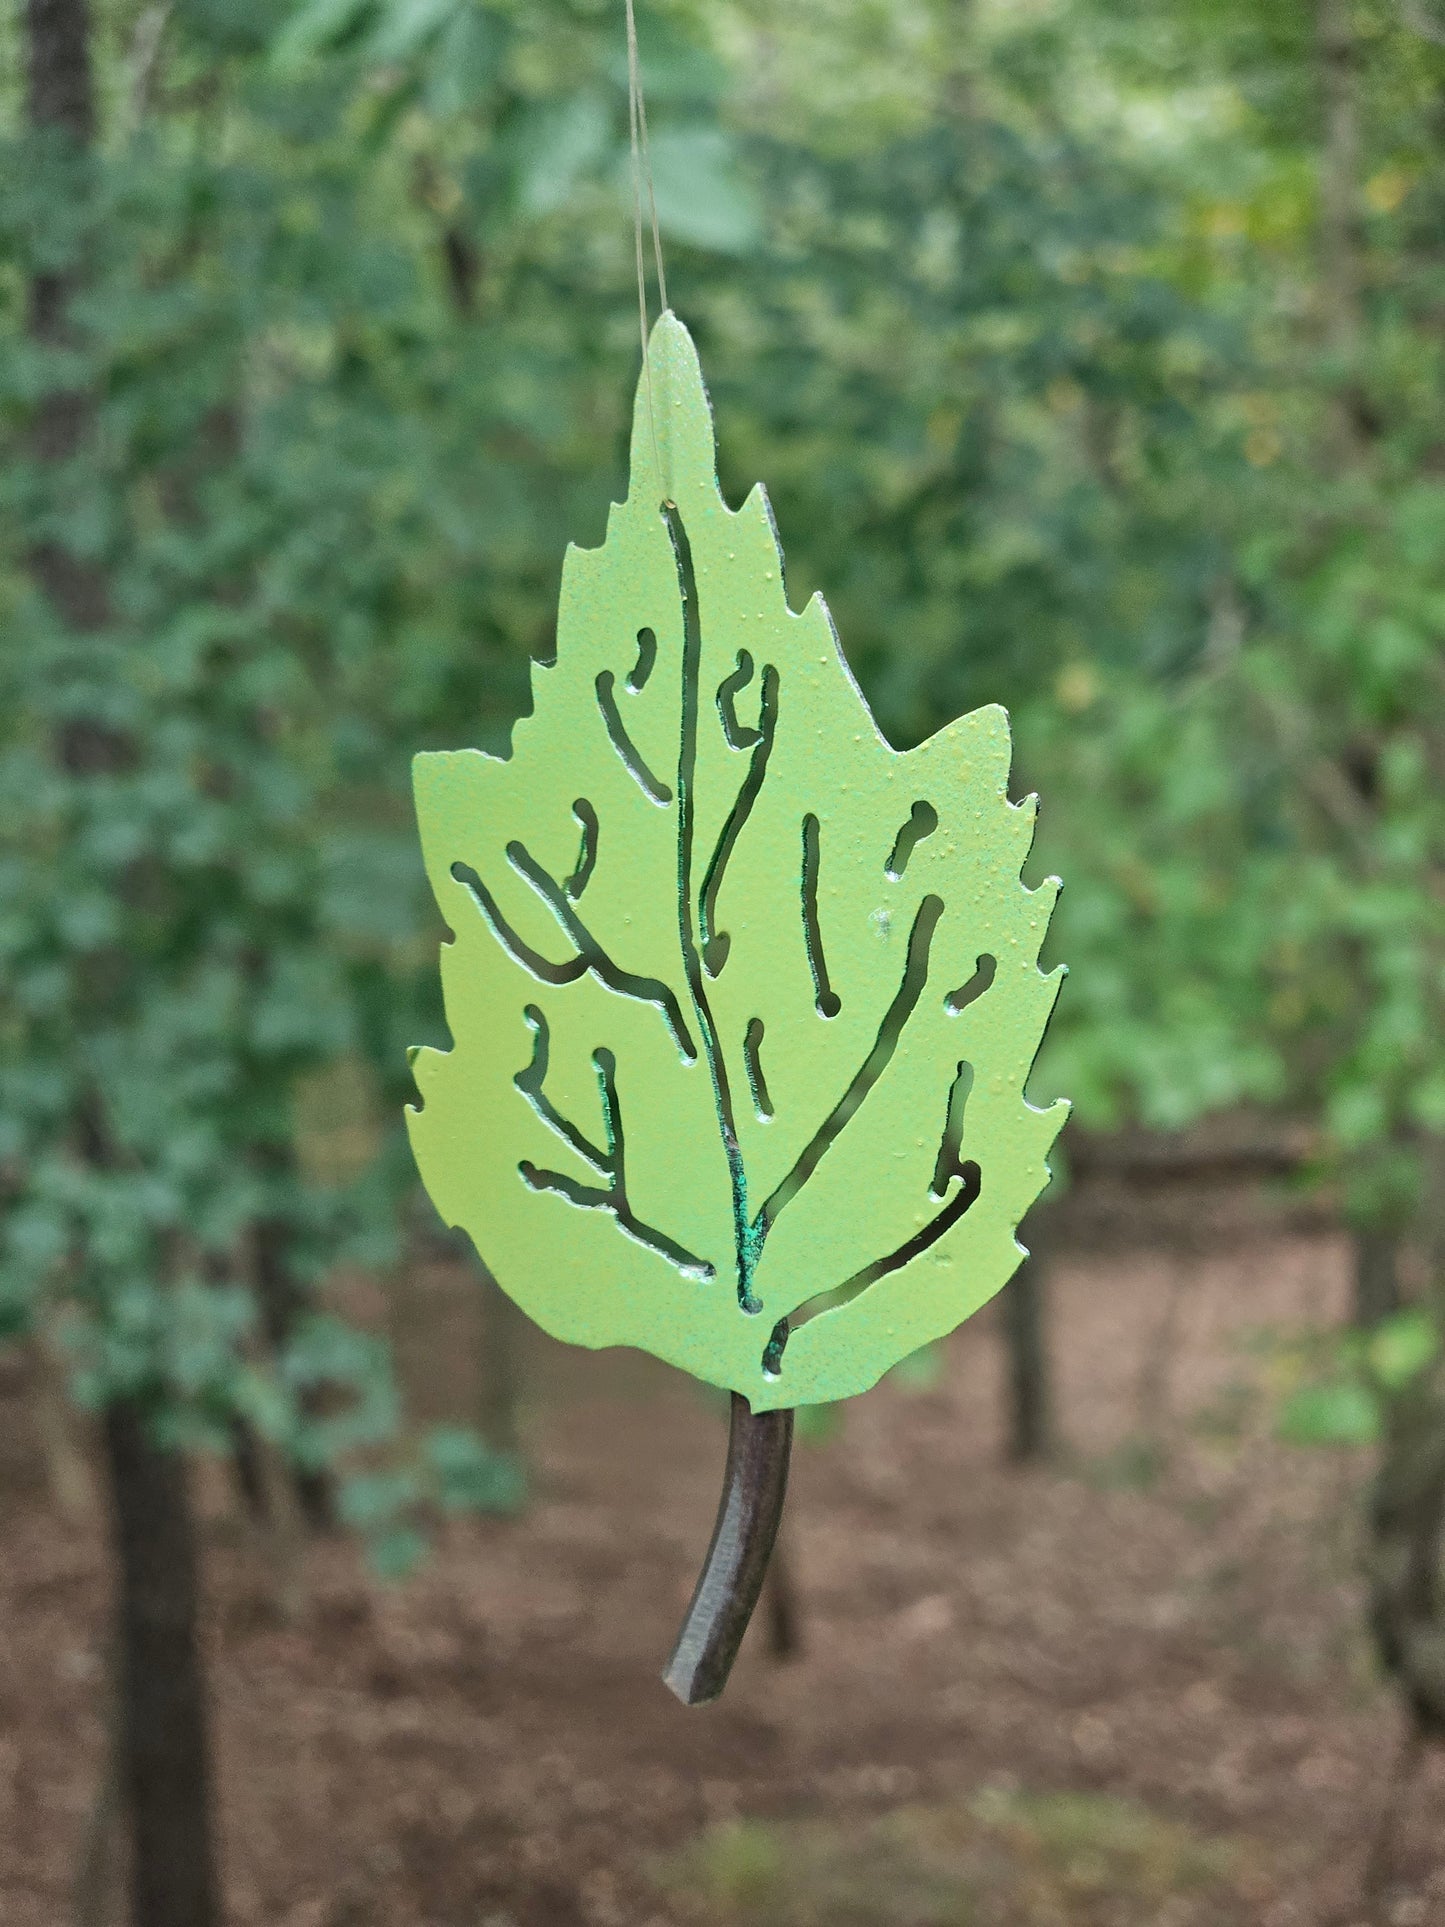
<point x="743" y="1000"/>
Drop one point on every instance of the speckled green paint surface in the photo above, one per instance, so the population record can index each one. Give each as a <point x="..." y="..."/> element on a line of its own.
<point x="742" y="1000"/>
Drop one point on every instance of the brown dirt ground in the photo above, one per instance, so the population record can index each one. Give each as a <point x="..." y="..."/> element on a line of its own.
<point x="1133" y="1689"/>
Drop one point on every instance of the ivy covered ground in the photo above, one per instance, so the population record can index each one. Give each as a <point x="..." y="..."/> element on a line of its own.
<point x="1132" y="1690"/>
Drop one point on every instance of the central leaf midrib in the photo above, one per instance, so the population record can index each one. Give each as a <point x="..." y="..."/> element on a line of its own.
<point x="750" y="1230"/>
<point x="747" y="1242"/>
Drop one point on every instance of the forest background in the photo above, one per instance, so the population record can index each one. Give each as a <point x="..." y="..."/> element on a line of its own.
<point x="1092" y="358"/>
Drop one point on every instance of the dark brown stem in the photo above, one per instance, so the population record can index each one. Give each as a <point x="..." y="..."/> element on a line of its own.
<point x="754" y="1486"/>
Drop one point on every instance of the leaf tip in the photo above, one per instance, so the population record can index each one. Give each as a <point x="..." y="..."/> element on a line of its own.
<point x="674" y="446"/>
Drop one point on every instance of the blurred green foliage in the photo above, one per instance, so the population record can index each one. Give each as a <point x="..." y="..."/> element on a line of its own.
<point x="1091" y="368"/>
<point x="1347" y="1401"/>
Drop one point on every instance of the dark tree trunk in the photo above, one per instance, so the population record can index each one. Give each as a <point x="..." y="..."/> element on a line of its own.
<point x="1342" y="230"/>
<point x="1341" y="225"/>
<point x="281" y="1299"/>
<point x="59" y="92"/>
<point x="1406" y="1565"/>
<point x="246" y="1465"/>
<point x="1403" y="1563"/>
<point x="161" y="1761"/>
<point x="1026" y="1336"/>
<point x="60" y="104"/>
<point x="164" y="1750"/>
<point x="785" y="1632"/>
<point x="1376" y="1257"/>
<point x="497" y="1401"/>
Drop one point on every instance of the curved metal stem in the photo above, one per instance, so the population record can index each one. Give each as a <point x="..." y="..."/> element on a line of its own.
<point x="754" y="1486"/>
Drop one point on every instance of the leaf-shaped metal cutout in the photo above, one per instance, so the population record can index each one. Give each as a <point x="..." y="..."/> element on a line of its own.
<point x="743" y="1000"/>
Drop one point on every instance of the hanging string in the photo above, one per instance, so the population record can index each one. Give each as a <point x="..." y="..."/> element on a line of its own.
<point x="642" y="170"/>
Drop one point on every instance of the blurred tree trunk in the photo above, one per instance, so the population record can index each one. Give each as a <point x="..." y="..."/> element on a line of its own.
<point x="1406" y="1565"/>
<point x="1432" y="1212"/>
<point x="60" y="105"/>
<point x="164" y="1751"/>
<point x="280" y="1497"/>
<point x="785" y="1632"/>
<point x="163" y="1761"/>
<point x="497" y="1419"/>
<point x="1376" y="1274"/>
<point x="282" y="1300"/>
<point x="1026" y="1337"/>
<point x="1340" y="224"/>
<point x="1406" y="1553"/>
<point x="246" y="1465"/>
<point x="1376" y="1249"/>
<point x="1407" y="1514"/>
<point x="59" y="89"/>
<point x="1406" y="1609"/>
<point x="269" y="1485"/>
<point x="1341" y="232"/>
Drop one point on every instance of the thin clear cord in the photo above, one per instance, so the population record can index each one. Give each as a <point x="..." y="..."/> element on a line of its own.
<point x="642" y="168"/>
